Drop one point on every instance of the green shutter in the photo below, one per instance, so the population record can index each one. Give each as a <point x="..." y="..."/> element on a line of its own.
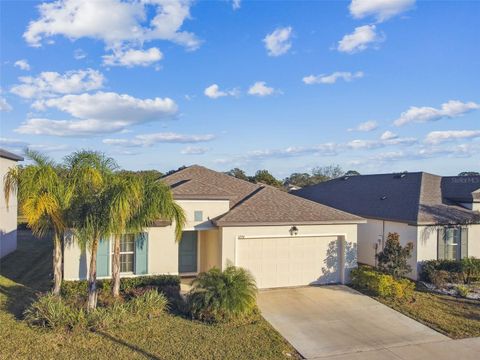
<point x="464" y="249"/>
<point x="141" y="254"/>
<point x="103" y="258"/>
<point x="441" y="244"/>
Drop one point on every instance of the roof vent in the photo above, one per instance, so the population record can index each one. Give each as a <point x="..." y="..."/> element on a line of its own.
<point x="346" y="177"/>
<point x="384" y="197"/>
<point x="400" y="175"/>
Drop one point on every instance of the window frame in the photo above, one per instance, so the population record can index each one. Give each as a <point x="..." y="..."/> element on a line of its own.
<point x="198" y="215"/>
<point x="132" y="253"/>
<point x="458" y="237"/>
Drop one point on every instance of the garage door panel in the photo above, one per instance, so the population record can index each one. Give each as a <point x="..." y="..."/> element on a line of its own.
<point x="278" y="262"/>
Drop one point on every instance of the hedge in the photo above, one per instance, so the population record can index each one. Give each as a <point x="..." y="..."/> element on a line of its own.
<point x="466" y="270"/>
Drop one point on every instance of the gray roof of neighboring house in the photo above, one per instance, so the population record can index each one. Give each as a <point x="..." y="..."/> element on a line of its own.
<point x="251" y="204"/>
<point x="415" y="198"/>
<point x="11" y="156"/>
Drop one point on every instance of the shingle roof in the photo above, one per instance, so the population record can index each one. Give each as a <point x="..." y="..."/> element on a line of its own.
<point x="415" y="198"/>
<point x="8" y="155"/>
<point x="251" y="204"/>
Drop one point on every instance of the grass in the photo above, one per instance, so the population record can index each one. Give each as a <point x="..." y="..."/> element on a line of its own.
<point x="455" y="317"/>
<point x="27" y="271"/>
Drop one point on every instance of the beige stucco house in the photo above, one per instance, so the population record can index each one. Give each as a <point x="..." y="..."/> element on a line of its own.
<point x="282" y="239"/>
<point x="439" y="215"/>
<point x="8" y="214"/>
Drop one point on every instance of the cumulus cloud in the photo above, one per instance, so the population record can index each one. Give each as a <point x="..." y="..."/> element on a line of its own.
<point x="236" y="4"/>
<point x="50" y="83"/>
<point x="131" y="57"/>
<point x="437" y="137"/>
<point x="381" y="9"/>
<point x="332" y="78"/>
<point x="193" y="150"/>
<point x="145" y="140"/>
<point x="4" y="105"/>
<point x="260" y="88"/>
<point x="279" y="41"/>
<point x="19" y="145"/>
<point x="79" y="54"/>
<point x="362" y="38"/>
<point x="22" y="64"/>
<point x="386" y="139"/>
<point x="388" y="135"/>
<point x="365" y="126"/>
<point x="76" y="19"/>
<point x="450" y="109"/>
<point x="99" y="113"/>
<point x="214" y="92"/>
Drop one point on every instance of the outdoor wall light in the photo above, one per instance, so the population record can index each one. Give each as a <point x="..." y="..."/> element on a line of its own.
<point x="293" y="230"/>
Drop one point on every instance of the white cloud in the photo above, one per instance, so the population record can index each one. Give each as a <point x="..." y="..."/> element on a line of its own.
<point x="192" y="150"/>
<point x="131" y="57"/>
<point x="155" y="138"/>
<point x="388" y="135"/>
<point x="236" y="4"/>
<point x="99" y="113"/>
<point x="214" y="92"/>
<point x="260" y="88"/>
<point x="4" y="105"/>
<point x="19" y="145"/>
<point x="52" y="83"/>
<point x="332" y="78"/>
<point x="279" y="41"/>
<point x="381" y="9"/>
<point x="450" y="109"/>
<point x="76" y="19"/>
<point x="366" y="126"/>
<point x="79" y="54"/>
<point x="22" y="64"/>
<point x="361" y="38"/>
<point x="437" y="137"/>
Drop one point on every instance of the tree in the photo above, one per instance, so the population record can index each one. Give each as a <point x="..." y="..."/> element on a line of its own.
<point x="264" y="177"/>
<point x="325" y="173"/>
<point x="137" y="205"/>
<point x="393" y="259"/>
<point x="298" y="179"/>
<point x="44" y="197"/>
<point x="238" y="173"/>
<point x="92" y="173"/>
<point x="351" y="173"/>
<point x="469" y="173"/>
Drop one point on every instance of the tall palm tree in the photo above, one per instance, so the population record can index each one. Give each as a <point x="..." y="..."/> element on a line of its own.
<point x="92" y="174"/>
<point x="155" y="202"/>
<point x="44" y="197"/>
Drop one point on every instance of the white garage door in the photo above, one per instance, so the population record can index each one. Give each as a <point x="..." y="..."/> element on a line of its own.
<point x="279" y="262"/>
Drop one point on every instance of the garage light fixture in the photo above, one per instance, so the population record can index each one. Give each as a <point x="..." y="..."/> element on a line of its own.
<point x="293" y="230"/>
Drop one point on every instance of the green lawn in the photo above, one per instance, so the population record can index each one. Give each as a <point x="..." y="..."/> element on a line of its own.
<point x="168" y="337"/>
<point x="455" y="317"/>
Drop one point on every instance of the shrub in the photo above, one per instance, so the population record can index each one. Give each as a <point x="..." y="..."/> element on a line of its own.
<point x="222" y="296"/>
<point x="105" y="317"/>
<point x="462" y="291"/>
<point x="439" y="278"/>
<point x="470" y="269"/>
<point x="151" y="303"/>
<point x="393" y="259"/>
<point x="51" y="311"/>
<point x="465" y="270"/>
<point x="382" y="285"/>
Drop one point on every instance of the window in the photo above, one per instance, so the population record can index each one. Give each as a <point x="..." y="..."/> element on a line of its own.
<point x="127" y="253"/>
<point x="452" y="243"/>
<point x="198" y="215"/>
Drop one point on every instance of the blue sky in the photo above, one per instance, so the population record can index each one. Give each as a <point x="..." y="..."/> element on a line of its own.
<point x="376" y="86"/>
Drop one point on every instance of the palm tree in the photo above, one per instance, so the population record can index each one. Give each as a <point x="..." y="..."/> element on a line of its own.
<point x="132" y="214"/>
<point x="44" y="197"/>
<point x="92" y="174"/>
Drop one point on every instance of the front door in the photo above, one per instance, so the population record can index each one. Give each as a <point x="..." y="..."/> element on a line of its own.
<point x="187" y="252"/>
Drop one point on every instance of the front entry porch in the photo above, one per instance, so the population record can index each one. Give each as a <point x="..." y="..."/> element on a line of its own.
<point x="198" y="251"/>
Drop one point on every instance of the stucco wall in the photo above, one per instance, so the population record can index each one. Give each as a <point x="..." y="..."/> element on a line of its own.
<point x="8" y="217"/>
<point x="372" y="232"/>
<point x="210" y="250"/>
<point x="349" y="231"/>
<point x="210" y="208"/>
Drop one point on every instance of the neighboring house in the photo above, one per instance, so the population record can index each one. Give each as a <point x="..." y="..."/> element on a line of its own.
<point x="8" y="214"/>
<point x="282" y="239"/>
<point x="439" y="215"/>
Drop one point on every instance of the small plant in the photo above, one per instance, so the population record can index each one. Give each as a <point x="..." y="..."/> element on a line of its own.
<point x="439" y="278"/>
<point x="150" y="303"/>
<point x="393" y="259"/>
<point x="222" y="296"/>
<point x="462" y="290"/>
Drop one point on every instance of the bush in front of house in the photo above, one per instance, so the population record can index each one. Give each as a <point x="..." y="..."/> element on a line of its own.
<point x="393" y="259"/>
<point x="383" y="285"/>
<point x="219" y="296"/>
<point x="440" y="272"/>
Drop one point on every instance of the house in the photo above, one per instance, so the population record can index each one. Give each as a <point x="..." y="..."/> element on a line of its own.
<point x="8" y="214"/>
<point x="439" y="215"/>
<point x="282" y="239"/>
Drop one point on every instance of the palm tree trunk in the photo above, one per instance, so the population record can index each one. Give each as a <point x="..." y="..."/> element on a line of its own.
<point x="116" y="266"/>
<point x="57" y="263"/>
<point x="92" y="277"/>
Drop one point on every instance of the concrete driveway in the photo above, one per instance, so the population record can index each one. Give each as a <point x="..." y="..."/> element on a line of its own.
<point x="338" y="322"/>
